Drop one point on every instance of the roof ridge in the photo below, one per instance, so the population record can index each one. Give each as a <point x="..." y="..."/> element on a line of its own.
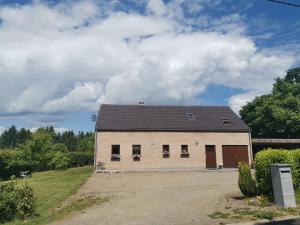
<point x="212" y="106"/>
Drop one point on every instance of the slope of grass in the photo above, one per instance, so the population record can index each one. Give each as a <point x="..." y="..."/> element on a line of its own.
<point x="51" y="188"/>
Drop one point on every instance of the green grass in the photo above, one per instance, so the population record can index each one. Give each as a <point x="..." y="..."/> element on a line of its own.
<point x="259" y="214"/>
<point x="297" y="195"/>
<point x="219" y="215"/>
<point x="51" y="188"/>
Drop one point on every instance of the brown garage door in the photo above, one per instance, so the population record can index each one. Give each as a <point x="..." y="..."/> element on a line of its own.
<point x="233" y="154"/>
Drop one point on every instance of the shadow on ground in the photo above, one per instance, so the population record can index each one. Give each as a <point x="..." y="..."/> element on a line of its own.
<point x="283" y="222"/>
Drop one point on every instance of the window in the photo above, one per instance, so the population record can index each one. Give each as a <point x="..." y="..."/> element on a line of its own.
<point x="166" y="151"/>
<point x="115" y="153"/>
<point x="190" y="116"/>
<point x="136" y="152"/>
<point x="184" y="151"/>
<point x="226" y="121"/>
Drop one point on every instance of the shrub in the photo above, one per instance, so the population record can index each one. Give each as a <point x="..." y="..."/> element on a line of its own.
<point x="16" y="201"/>
<point x="7" y="203"/>
<point x="81" y="158"/>
<point x="58" y="160"/>
<point x="25" y="201"/>
<point x="59" y="147"/>
<point x="296" y="172"/>
<point x="262" y="163"/>
<point x="12" y="162"/>
<point x="246" y="183"/>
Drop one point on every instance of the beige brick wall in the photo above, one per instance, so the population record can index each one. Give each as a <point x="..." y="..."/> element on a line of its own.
<point x="151" y="148"/>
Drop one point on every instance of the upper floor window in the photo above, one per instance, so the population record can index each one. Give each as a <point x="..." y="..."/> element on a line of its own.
<point x="166" y="151"/>
<point x="136" y="152"/>
<point x="184" y="151"/>
<point x="115" y="153"/>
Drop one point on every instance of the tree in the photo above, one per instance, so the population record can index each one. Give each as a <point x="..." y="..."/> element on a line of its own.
<point x="69" y="139"/>
<point x="85" y="142"/>
<point x="41" y="141"/>
<point x="4" y="142"/>
<point x="9" y="138"/>
<point x="276" y="115"/>
<point x="58" y="160"/>
<point x="12" y="137"/>
<point x="23" y="136"/>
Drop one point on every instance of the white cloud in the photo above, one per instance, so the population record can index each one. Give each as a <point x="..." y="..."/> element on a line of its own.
<point x="68" y="57"/>
<point x="56" y="129"/>
<point x="83" y="95"/>
<point x="157" y="7"/>
<point x="61" y="129"/>
<point x="237" y="101"/>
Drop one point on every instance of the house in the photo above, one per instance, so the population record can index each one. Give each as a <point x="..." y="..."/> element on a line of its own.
<point x="142" y="137"/>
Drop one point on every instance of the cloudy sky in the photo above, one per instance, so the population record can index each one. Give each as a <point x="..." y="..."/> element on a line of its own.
<point x="59" y="60"/>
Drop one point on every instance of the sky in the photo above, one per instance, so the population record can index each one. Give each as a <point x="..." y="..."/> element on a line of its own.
<point x="59" y="60"/>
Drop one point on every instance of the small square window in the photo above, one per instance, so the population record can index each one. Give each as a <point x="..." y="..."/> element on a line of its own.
<point x="184" y="151"/>
<point x="115" y="153"/>
<point x="136" y="152"/>
<point x="166" y="151"/>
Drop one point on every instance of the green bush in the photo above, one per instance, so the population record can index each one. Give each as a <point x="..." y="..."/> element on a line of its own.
<point x="296" y="172"/>
<point x="25" y="201"/>
<point x="246" y="183"/>
<point x="7" y="203"/>
<point x="81" y="158"/>
<point x="58" y="160"/>
<point x="12" y="162"/>
<point x="59" y="148"/>
<point x="16" y="201"/>
<point x="262" y="163"/>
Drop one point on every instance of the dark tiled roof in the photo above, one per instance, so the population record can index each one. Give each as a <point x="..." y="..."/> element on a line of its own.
<point x="167" y="118"/>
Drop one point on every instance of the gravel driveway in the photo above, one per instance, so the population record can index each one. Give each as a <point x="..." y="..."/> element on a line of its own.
<point x="156" y="198"/>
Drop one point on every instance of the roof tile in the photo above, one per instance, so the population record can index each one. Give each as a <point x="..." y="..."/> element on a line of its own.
<point x="167" y="118"/>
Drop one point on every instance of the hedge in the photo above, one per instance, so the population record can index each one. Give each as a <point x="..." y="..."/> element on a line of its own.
<point x="296" y="156"/>
<point x="81" y="158"/>
<point x="262" y="163"/>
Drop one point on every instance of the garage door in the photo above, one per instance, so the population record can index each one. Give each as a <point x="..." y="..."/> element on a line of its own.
<point x="233" y="154"/>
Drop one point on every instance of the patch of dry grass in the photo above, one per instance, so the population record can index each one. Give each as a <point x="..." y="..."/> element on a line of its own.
<point x="238" y="209"/>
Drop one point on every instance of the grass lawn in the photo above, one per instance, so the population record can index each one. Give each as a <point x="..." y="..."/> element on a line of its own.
<point x="51" y="188"/>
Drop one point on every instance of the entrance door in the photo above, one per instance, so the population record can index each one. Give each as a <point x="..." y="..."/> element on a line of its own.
<point x="233" y="154"/>
<point x="210" y="152"/>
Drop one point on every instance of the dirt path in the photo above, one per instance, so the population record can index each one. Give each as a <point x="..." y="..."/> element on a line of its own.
<point x="153" y="198"/>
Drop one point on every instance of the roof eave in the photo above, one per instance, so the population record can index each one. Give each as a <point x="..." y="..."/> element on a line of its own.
<point x="172" y="130"/>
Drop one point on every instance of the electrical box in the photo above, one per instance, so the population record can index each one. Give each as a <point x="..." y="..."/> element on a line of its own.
<point x="283" y="189"/>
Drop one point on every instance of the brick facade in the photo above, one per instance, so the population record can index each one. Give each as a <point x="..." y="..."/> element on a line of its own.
<point x="151" y="148"/>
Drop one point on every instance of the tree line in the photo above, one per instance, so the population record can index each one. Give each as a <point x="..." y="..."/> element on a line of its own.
<point x="43" y="149"/>
<point x="82" y="141"/>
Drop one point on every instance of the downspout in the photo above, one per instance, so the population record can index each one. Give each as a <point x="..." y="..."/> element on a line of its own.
<point x="95" y="148"/>
<point x="250" y="146"/>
